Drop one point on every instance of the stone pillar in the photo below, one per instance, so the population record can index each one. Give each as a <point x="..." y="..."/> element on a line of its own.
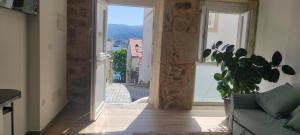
<point x="179" y="53"/>
<point x="79" y="51"/>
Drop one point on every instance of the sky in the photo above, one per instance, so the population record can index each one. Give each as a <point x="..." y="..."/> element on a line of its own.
<point x="125" y="15"/>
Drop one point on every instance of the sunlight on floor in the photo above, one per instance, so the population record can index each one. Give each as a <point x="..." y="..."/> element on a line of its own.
<point x="128" y="119"/>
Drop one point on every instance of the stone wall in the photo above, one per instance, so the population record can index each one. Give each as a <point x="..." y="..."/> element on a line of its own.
<point x="178" y="54"/>
<point x="79" y="51"/>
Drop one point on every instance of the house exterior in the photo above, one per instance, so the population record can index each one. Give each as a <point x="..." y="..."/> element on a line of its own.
<point x="145" y="69"/>
<point x="134" y="60"/>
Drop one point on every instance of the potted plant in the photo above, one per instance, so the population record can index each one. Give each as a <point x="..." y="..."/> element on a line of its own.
<point x="241" y="74"/>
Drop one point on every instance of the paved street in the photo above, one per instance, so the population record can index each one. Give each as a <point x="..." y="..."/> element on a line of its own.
<point x="118" y="93"/>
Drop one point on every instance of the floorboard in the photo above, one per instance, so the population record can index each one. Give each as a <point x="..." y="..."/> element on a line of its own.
<point x="129" y="119"/>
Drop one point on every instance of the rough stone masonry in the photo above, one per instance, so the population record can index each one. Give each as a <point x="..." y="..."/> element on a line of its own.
<point x="179" y="53"/>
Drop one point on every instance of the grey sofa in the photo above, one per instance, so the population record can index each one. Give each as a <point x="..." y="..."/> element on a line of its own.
<point x="247" y="118"/>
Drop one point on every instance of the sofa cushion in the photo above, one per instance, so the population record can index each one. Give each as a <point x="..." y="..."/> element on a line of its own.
<point x="294" y="123"/>
<point x="260" y="123"/>
<point x="279" y="102"/>
<point x="295" y="112"/>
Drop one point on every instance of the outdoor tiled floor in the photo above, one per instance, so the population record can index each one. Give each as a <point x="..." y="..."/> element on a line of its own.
<point x="118" y="93"/>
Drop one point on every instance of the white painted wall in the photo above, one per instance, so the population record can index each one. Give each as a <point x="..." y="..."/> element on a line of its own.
<point x="135" y="63"/>
<point x="13" y="62"/>
<point x="145" y="68"/>
<point x="52" y="59"/>
<point x="33" y="73"/>
<point x="157" y="39"/>
<point x="278" y="29"/>
<point x="33" y="59"/>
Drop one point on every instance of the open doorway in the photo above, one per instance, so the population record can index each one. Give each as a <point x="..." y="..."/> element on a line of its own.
<point x="123" y="54"/>
<point x="129" y="45"/>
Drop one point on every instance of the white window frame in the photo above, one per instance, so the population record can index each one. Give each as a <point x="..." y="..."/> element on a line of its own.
<point x="223" y="7"/>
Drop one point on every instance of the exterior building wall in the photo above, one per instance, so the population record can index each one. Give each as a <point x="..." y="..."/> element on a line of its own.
<point x="145" y="69"/>
<point x="132" y="69"/>
<point x="134" y="57"/>
<point x="135" y="63"/>
<point x="128" y="64"/>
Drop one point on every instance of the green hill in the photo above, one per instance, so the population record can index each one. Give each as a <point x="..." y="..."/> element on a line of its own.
<point x="124" y="32"/>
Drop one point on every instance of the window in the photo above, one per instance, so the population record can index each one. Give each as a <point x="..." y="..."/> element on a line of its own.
<point x="230" y="22"/>
<point x="224" y="22"/>
<point x="225" y="28"/>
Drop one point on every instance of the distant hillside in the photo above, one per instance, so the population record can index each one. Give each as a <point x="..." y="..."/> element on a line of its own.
<point x="124" y="32"/>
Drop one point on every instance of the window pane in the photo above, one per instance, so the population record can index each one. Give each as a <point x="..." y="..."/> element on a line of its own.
<point x="222" y="27"/>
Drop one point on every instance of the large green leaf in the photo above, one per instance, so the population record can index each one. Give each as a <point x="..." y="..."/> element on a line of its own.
<point x="266" y="68"/>
<point x="245" y="62"/>
<point x="225" y="47"/>
<point x="218" y="44"/>
<point x="242" y="74"/>
<point x="224" y="73"/>
<point x="241" y="52"/>
<point x="254" y="76"/>
<point x="259" y="60"/>
<point x="227" y="56"/>
<point x="213" y="56"/>
<point x="223" y="67"/>
<point x="220" y="85"/>
<point x="267" y="75"/>
<point x="275" y="75"/>
<point x="224" y="89"/>
<point x="230" y="48"/>
<point x="218" y="76"/>
<point x="276" y="59"/>
<point x="288" y="70"/>
<point x="219" y="57"/>
<point x="206" y="53"/>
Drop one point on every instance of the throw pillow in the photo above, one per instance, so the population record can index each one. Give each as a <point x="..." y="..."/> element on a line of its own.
<point x="280" y="101"/>
<point x="294" y="123"/>
<point x="295" y="112"/>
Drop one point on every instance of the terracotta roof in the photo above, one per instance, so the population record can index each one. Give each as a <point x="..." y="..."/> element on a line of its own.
<point x="136" y="47"/>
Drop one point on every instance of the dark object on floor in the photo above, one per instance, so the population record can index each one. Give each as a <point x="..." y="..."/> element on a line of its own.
<point x="8" y="96"/>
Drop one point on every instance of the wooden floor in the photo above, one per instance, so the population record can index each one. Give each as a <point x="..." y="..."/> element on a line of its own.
<point x="140" y="118"/>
